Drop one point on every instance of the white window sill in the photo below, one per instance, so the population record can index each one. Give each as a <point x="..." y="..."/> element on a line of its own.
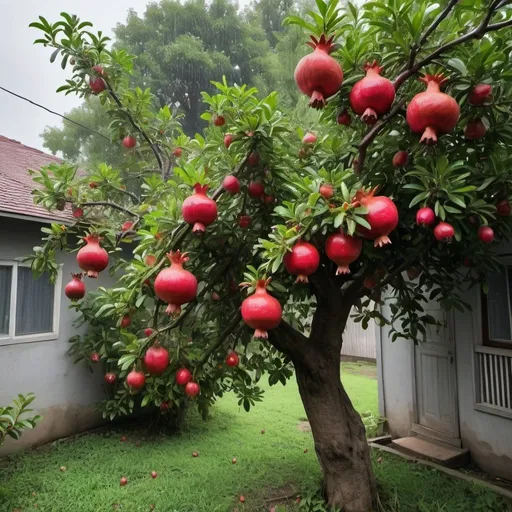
<point x="492" y="409"/>
<point x="29" y="338"/>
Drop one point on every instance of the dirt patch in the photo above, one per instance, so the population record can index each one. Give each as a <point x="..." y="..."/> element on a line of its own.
<point x="282" y="496"/>
<point x="366" y="369"/>
<point x="304" y="426"/>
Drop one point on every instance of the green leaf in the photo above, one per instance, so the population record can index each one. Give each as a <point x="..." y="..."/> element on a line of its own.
<point x="458" y="65"/>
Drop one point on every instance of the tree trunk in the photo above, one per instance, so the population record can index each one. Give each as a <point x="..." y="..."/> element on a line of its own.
<point x="339" y="435"/>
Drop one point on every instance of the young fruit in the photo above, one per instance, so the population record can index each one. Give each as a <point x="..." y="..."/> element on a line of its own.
<point x="199" y="210"/>
<point x="432" y="112"/>
<point x="255" y="189"/>
<point x="93" y="184"/>
<point x="232" y="359"/>
<point x="148" y="332"/>
<point x="481" y="93"/>
<point x="486" y="234"/>
<point x="231" y="184"/>
<point x="372" y="96"/>
<point x="215" y="296"/>
<point x="92" y="257"/>
<point x="192" y="389"/>
<point x="318" y="75"/>
<point x="123" y="481"/>
<point x="177" y="152"/>
<point x="254" y="159"/>
<point x="129" y="142"/>
<point x="156" y="360"/>
<point x="110" y="378"/>
<point x="343" y="250"/>
<point x="126" y="321"/>
<point x="382" y="216"/>
<point x="154" y="474"/>
<point x="244" y="221"/>
<point x="401" y="159"/>
<point x="344" y="118"/>
<point x="183" y="377"/>
<point x="75" y="289"/>
<point x="370" y="283"/>
<point x="444" y="232"/>
<point x="219" y="120"/>
<point x="309" y="138"/>
<point x="475" y="129"/>
<point x="94" y="357"/>
<point x="97" y="84"/>
<point x="175" y="285"/>
<point x="165" y="406"/>
<point x="261" y="311"/>
<point x="78" y="212"/>
<point x="425" y="216"/>
<point x="135" y="379"/>
<point x="326" y="190"/>
<point x="99" y="69"/>
<point x="127" y="226"/>
<point x="503" y="208"/>
<point x="268" y="199"/>
<point x="150" y="260"/>
<point x="302" y="261"/>
<point x="228" y="139"/>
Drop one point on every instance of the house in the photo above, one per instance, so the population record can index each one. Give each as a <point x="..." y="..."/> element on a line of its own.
<point x="452" y="395"/>
<point x="35" y="322"/>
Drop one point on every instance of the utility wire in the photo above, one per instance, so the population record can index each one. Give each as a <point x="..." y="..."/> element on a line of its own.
<point x="54" y="113"/>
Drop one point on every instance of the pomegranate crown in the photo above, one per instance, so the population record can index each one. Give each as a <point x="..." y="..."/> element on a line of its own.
<point x="77" y="276"/>
<point x="260" y="283"/>
<point x="200" y="189"/>
<point x="362" y="193"/>
<point x="93" y="238"/>
<point x="374" y="66"/>
<point x="323" y="43"/>
<point x="438" y="79"/>
<point x="176" y="258"/>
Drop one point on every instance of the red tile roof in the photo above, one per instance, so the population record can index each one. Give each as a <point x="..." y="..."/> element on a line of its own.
<point x="16" y="184"/>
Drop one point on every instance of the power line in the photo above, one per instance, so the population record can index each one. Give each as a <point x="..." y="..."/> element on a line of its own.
<point x="54" y="113"/>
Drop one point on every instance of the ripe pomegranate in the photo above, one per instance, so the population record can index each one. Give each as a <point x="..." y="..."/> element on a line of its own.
<point x="425" y="216"/>
<point x="326" y="190"/>
<point x="215" y="296"/>
<point x="244" y="221"/>
<point x="127" y="226"/>
<point x="503" y="208"/>
<point x="198" y="209"/>
<point x="261" y="311"/>
<point x="175" y="285"/>
<point x="165" y="406"/>
<point x="129" y="142"/>
<point x="268" y="199"/>
<point x="78" y="212"/>
<point x="481" y="93"/>
<point x="92" y="257"/>
<point x="135" y="379"/>
<point x="126" y="321"/>
<point x="156" y="360"/>
<point x="382" y="216"/>
<point x="309" y="138"/>
<point x="232" y="359"/>
<point x="475" y="129"/>
<point x="344" y="118"/>
<point x="219" y="120"/>
<point x="255" y="189"/>
<point x="401" y="159"/>
<point x="318" y="75"/>
<point x="177" y="152"/>
<point x="231" y="184"/>
<point x="253" y="159"/>
<point x="154" y="474"/>
<point x="241" y="499"/>
<point x="228" y="139"/>
<point x="123" y="481"/>
<point x="110" y="378"/>
<point x="343" y="250"/>
<point x="373" y="95"/>
<point x="302" y="261"/>
<point x="183" y="377"/>
<point x="97" y="84"/>
<point x="432" y="112"/>
<point x="486" y="234"/>
<point x="444" y="232"/>
<point x="370" y="282"/>
<point x="192" y="389"/>
<point x="148" y="332"/>
<point x="94" y="357"/>
<point x="75" y="289"/>
<point x="99" y="69"/>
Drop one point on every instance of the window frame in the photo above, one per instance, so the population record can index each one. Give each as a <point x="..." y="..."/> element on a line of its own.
<point x="11" y="338"/>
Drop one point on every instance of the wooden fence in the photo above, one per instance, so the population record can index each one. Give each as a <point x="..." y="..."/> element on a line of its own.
<point x="359" y="343"/>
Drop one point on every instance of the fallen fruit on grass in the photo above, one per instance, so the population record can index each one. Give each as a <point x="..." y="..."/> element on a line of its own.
<point x="123" y="481"/>
<point x="195" y="454"/>
<point x="233" y="460"/>
<point x="241" y="499"/>
<point x="262" y="430"/>
<point x="306" y="450"/>
<point x="154" y="474"/>
<point x="63" y="468"/>
<point x="124" y="439"/>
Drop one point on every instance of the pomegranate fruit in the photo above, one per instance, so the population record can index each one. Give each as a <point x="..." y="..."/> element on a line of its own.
<point x="232" y="359"/>
<point x="372" y="96"/>
<point x="75" y="289"/>
<point x="432" y="112"/>
<point x="154" y="474"/>
<point x="309" y="138"/>
<point x="165" y="406"/>
<point x="253" y="159"/>
<point x="195" y="454"/>
<point x="444" y="232"/>
<point x="215" y="296"/>
<point x="135" y="379"/>
<point x="127" y="226"/>
<point x="343" y="250"/>
<point x="241" y="499"/>
<point x="175" y="285"/>
<point x="481" y="93"/>
<point x="156" y="360"/>
<point x="503" y="208"/>
<point x="92" y="257"/>
<point x="94" y="357"/>
<point x="219" y="120"/>
<point x="261" y="311"/>
<point x="244" y="221"/>
<point x="425" y="216"/>
<point x="150" y="260"/>
<point x="255" y="189"/>
<point x="268" y="199"/>
<point x="231" y="184"/>
<point x="123" y="481"/>
<point x="382" y="216"/>
<point x="199" y="210"/>
<point x="228" y="139"/>
<point x="126" y="321"/>
<point x="129" y="142"/>
<point x="78" y="212"/>
<point x="475" y="129"/>
<point x="192" y="389"/>
<point x="344" y="118"/>
<point x="486" y="234"/>
<point x="326" y="190"/>
<point x="413" y="273"/>
<point x="401" y="159"/>
<point x="183" y="377"/>
<point x="318" y="75"/>
<point x="93" y="184"/>
<point x="370" y="282"/>
<point x="177" y="152"/>
<point x="97" y="84"/>
<point x="110" y="378"/>
<point x="302" y="261"/>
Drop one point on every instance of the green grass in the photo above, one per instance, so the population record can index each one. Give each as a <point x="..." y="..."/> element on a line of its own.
<point x="211" y="483"/>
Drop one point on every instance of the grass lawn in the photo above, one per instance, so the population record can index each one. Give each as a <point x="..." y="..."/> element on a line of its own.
<point x="268" y="465"/>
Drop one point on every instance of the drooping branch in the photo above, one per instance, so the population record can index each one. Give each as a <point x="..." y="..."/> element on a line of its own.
<point x="109" y="205"/>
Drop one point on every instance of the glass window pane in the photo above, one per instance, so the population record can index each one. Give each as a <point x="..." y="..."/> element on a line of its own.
<point x="34" y="304"/>
<point x="497" y="307"/>
<point x="5" y="298"/>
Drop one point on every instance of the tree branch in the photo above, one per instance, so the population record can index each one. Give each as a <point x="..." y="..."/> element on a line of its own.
<point x="289" y="341"/>
<point x="440" y="17"/>
<point x="109" y="205"/>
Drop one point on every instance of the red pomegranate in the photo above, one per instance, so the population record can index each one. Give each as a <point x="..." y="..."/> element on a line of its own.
<point x="326" y="190"/>
<point x="99" y="69"/>
<point x="302" y="261"/>
<point x="148" y="332"/>
<point x="232" y="359"/>
<point x="156" y="360"/>
<point x="183" y="377"/>
<point x="382" y="216"/>
<point x="93" y="184"/>
<point x="343" y="250"/>
<point x="75" y="289"/>
<point x="373" y="95"/>
<point x="318" y="75"/>
<point x="253" y="159"/>
<point x="198" y="209"/>
<point x="94" y="357"/>
<point x="126" y="321"/>
<point x="135" y="379"/>
<point x="228" y="139"/>
<point x="244" y="221"/>
<point x="231" y="184"/>
<point x="92" y="257"/>
<point x="309" y="138"/>
<point x="481" y="93"/>
<point x="110" y="378"/>
<point x="177" y="152"/>
<point x="344" y="118"/>
<point x="97" y="84"/>
<point x="261" y="311"/>
<point x="486" y="234"/>
<point x="154" y="474"/>
<point x="219" y="120"/>
<point x="215" y="296"/>
<point x="150" y="260"/>
<point x="192" y="389"/>
<point x="401" y="159"/>
<point x="129" y="142"/>
<point x="123" y="481"/>
<point x="127" y="226"/>
<point x="503" y="208"/>
<point x="425" y="216"/>
<point x="432" y="112"/>
<point x="78" y="212"/>
<point x="475" y="129"/>
<point x="175" y="285"/>
<point x="413" y="273"/>
<point x="165" y="406"/>
<point x="444" y="232"/>
<point x="370" y="283"/>
<point x="255" y="189"/>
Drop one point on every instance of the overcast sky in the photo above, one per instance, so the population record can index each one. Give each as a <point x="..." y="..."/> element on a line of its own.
<point x="26" y="70"/>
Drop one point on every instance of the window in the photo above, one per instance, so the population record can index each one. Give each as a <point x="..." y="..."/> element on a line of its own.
<point x="29" y="307"/>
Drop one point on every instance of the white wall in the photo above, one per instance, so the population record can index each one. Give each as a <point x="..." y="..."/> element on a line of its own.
<point x="358" y="342"/>
<point x="65" y="393"/>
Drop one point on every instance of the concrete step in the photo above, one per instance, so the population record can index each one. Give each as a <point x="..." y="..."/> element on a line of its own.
<point x="441" y="453"/>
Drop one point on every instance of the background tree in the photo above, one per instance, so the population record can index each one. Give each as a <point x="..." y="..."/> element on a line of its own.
<point x="297" y="193"/>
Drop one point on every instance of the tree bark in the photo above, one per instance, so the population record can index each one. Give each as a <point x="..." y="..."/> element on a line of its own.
<point x="339" y="435"/>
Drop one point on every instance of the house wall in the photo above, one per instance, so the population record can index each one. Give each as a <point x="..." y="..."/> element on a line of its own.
<point x="358" y="343"/>
<point x="65" y="393"/>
